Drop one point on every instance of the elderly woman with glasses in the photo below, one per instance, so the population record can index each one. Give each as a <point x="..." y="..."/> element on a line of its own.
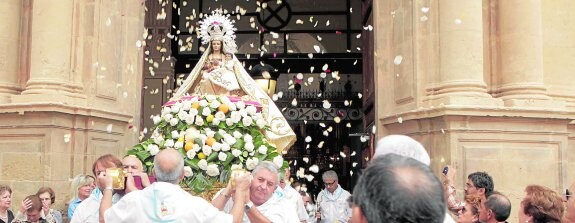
<point x="48" y="197"/>
<point x="469" y="213"/>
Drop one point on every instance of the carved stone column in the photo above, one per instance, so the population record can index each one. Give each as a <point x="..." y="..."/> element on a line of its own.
<point x="10" y="11"/>
<point x="51" y="77"/>
<point x="521" y="77"/>
<point x="459" y="49"/>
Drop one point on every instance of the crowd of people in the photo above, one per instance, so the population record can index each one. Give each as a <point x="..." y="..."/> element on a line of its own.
<point x="397" y="186"/>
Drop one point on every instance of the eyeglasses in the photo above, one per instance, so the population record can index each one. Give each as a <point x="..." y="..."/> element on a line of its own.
<point x="329" y="184"/>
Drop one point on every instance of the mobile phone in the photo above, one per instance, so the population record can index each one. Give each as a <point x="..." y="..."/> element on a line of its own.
<point x="567" y="194"/>
<point x="138" y="181"/>
<point x="445" y="170"/>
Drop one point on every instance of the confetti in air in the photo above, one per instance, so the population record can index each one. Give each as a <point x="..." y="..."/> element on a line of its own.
<point x="314" y="168"/>
<point x="397" y="60"/>
<point x="67" y="138"/>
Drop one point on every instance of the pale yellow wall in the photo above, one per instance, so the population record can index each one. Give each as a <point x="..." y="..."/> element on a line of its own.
<point x="78" y="77"/>
<point x="485" y="86"/>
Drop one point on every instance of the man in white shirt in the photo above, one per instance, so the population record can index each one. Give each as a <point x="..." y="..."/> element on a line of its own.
<point x="88" y="210"/>
<point x="165" y="201"/>
<point x="262" y="205"/>
<point x="287" y="192"/>
<point x="333" y="205"/>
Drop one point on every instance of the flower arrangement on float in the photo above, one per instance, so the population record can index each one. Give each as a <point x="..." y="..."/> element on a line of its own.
<point x="215" y="134"/>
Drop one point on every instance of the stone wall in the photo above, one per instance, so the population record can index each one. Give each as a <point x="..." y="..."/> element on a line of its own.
<point x="484" y="85"/>
<point x="70" y="89"/>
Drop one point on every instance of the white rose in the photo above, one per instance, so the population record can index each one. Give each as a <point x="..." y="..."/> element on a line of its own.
<point x="215" y="104"/>
<point x="153" y="149"/>
<point x="156" y="119"/>
<point x="167" y="117"/>
<point x="251" y="163"/>
<point x="166" y="110"/>
<point x="196" y="148"/>
<point x="229" y="121"/>
<point x="191" y="154"/>
<point x="217" y="146"/>
<point x="232" y="106"/>
<point x="237" y="134"/>
<point x="178" y="144"/>
<point x="210" y="133"/>
<point x="225" y="147"/>
<point x="243" y="112"/>
<point x="188" y="171"/>
<point x="190" y="119"/>
<point x="235" y="116"/>
<point x="261" y="123"/>
<point x="222" y="156"/>
<point x="193" y="112"/>
<point x="220" y="115"/>
<point x="240" y="104"/>
<point x="263" y="149"/>
<point x="278" y="161"/>
<point x="248" y="138"/>
<point x="203" y="164"/>
<point x="206" y="111"/>
<point x="191" y="133"/>
<point x="169" y="143"/>
<point x="199" y="121"/>
<point x="236" y="152"/>
<point x="229" y="139"/>
<point x="247" y="121"/>
<point x="249" y="146"/>
<point x="159" y="140"/>
<point x="186" y="105"/>
<point x="175" y="134"/>
<point x="182" y="115"/>
<point x="207" y="150"/>
<point x="216" y="121"/>
<point x="212" y="170"/>
<point x="211" y="97"/>
<point x="251" y="110"/>
<point x="176" y="107"/>
<point x="174" y="121"/>
<point x="203" y="103"/>
<point x="222" y="132"/>
<point x="225" y="100"/>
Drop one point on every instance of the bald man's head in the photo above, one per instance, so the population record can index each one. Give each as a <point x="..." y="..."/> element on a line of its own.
<point x="169" y="166"/>
<point x="132" y="164"/>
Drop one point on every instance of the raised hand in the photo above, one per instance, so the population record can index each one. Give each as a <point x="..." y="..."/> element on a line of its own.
<point x="25" y="205"/>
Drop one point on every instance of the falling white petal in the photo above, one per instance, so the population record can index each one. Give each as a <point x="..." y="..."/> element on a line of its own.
<point x="317" y="49"/>
<point x="314" y="168"/>
<point x="397" y="60"/>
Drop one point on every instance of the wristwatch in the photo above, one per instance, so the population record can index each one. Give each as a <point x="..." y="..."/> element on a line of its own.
<point x="248" y="206"/>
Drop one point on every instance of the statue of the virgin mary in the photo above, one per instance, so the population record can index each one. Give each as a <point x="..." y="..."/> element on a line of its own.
<point x="219" y="72"/>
